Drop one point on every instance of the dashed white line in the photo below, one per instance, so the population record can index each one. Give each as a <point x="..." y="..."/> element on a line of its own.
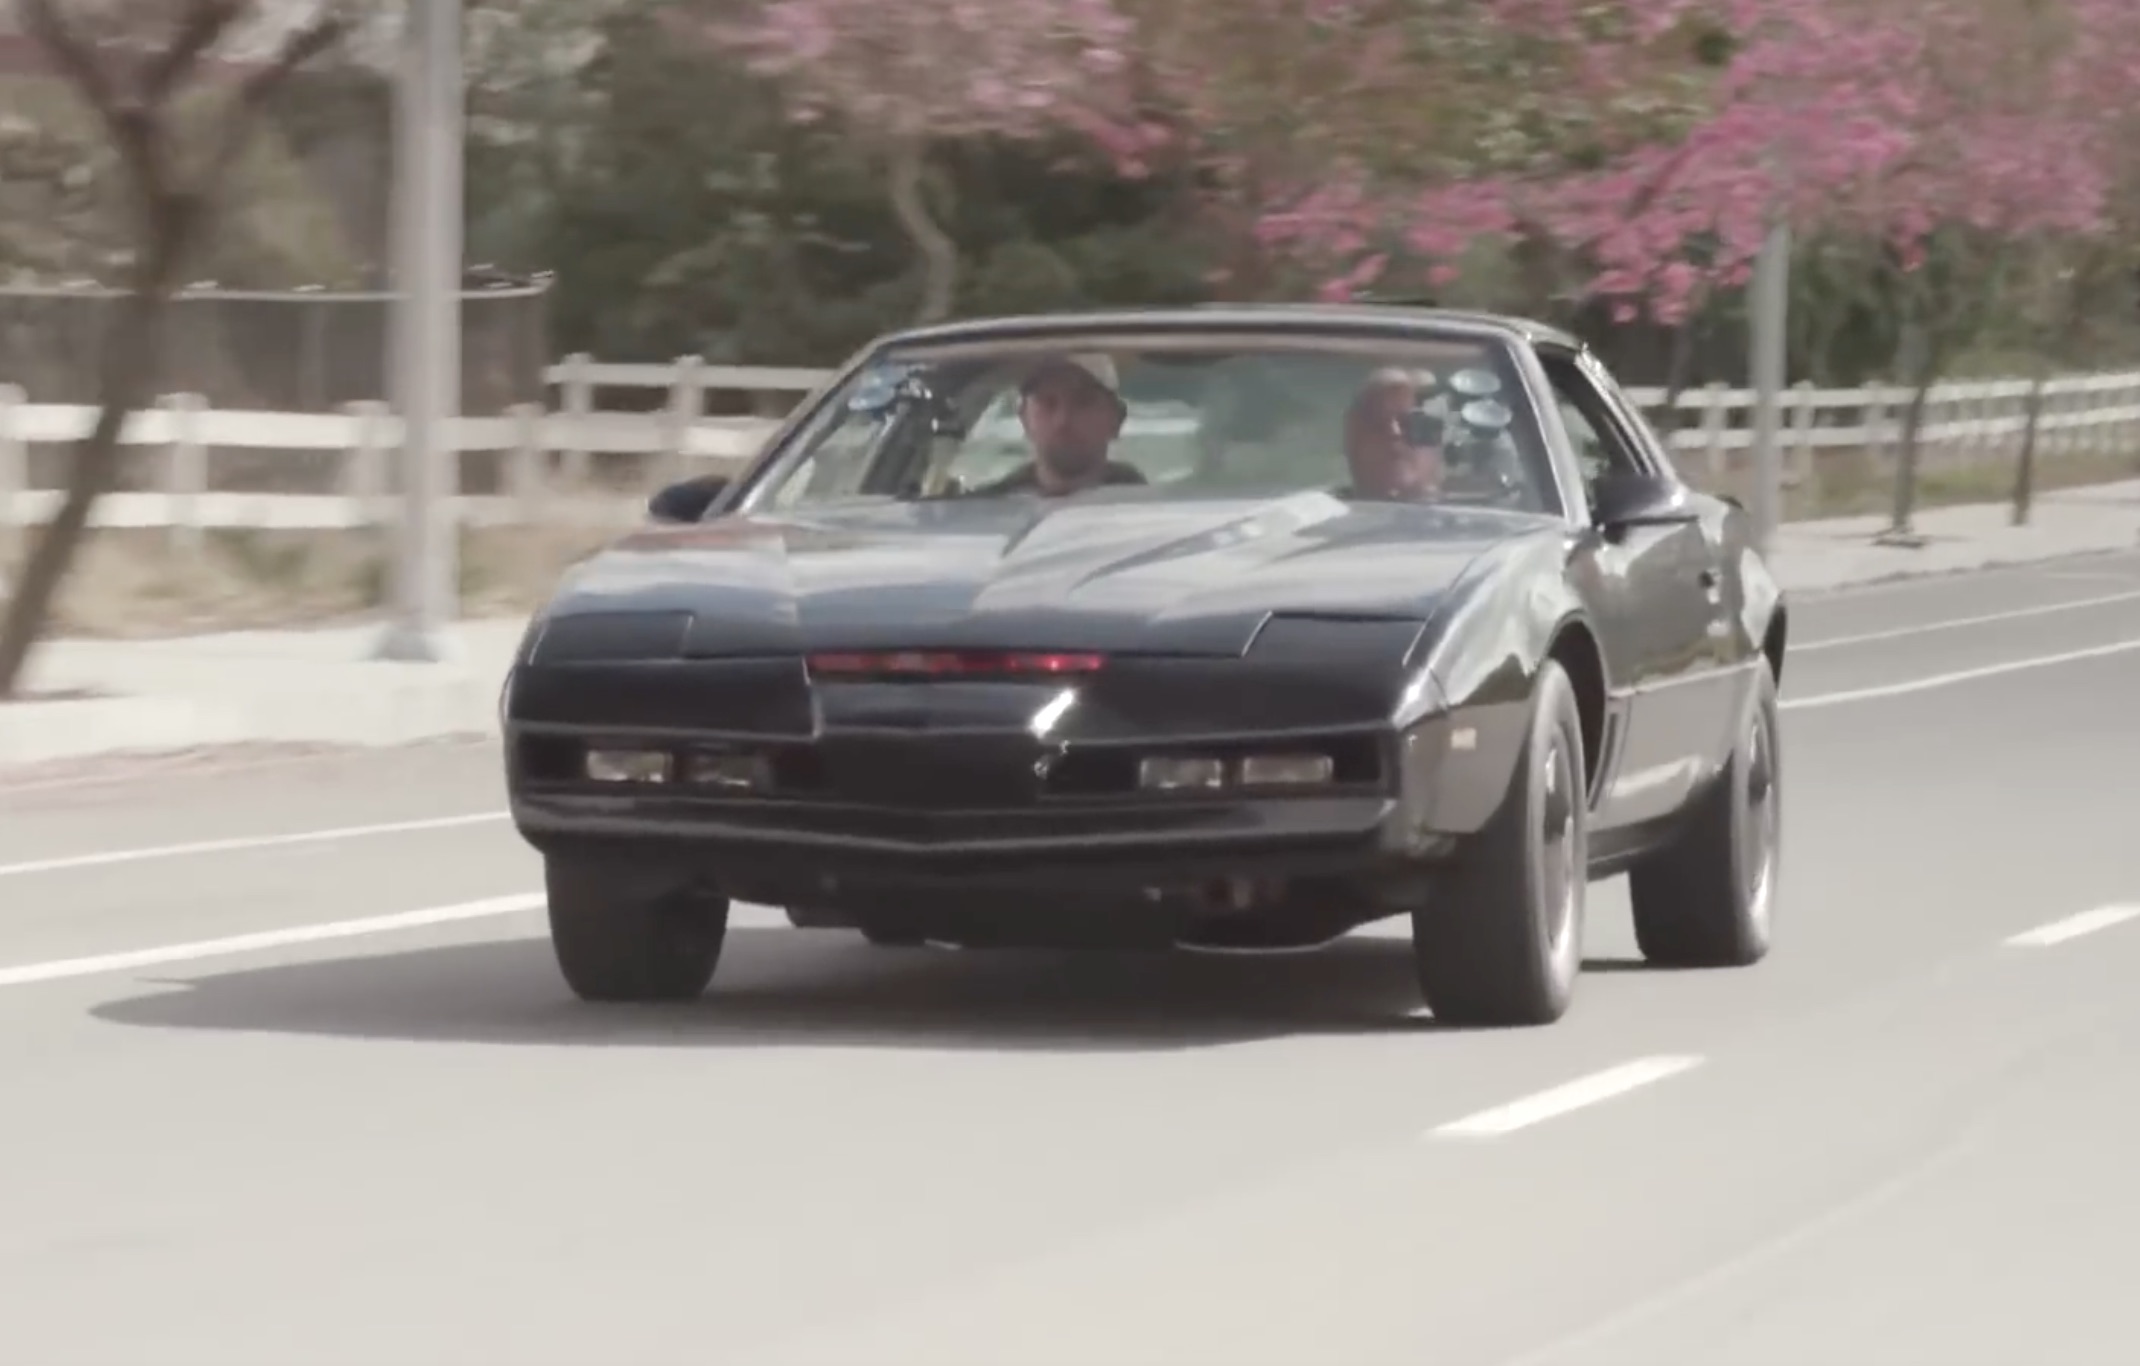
<point x="270" y="939"/>
<point x="2074" y="926"/>
<point x="1916" y="685"/>
<point x="1956" y="623"/>
<point x="743" y="915"/>
<point x="246" y="843"/>
<point x="1560" y="1100"/>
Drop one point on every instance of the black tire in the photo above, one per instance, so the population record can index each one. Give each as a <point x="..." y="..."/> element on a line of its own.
<point x="622" y="934"/>
<point x="1708" y="899"/>
<point x="1502" y="942"/>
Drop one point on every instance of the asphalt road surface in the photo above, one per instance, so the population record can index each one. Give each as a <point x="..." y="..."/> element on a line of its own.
<point x="290" y="1078"/>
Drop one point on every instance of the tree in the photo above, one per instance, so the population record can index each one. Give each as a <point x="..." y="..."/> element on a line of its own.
<point x="141" y="67"/>
<point x="1372" y="141"/>
<point x="900" y="76"/>
<point x="531" y="111"/>
<point x="2006" y="150"/>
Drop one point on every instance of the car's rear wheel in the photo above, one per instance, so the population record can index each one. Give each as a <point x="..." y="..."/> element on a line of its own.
<point x="1502" y="942"/>
<point x="1708" y="900"/>
<point x="622" y="933"/>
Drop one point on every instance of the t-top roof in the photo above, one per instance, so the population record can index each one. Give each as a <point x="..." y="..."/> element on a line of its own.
<point x="1308" y="317"/>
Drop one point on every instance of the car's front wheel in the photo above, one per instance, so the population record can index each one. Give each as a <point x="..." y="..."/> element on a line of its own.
<point x="1502" y="942"/>
<point x="1708" y="900"/>
<point x="621" y="933"/>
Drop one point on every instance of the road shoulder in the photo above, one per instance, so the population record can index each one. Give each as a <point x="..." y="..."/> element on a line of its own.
<point x="323" y="686"/>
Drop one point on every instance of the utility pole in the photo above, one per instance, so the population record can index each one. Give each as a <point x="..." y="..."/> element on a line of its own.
<point x="1770" y="319"/>
<point x="425" y="357"/>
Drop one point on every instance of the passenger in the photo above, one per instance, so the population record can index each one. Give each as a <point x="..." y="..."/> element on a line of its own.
<point x="1072" y="410"/>
<point x="1392" y="449"/>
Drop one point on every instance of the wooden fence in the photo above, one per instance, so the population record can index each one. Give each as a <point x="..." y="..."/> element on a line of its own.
<point x="579" y="463"/>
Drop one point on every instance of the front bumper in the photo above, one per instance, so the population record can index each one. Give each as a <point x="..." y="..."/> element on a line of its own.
<point x="1382" y="844"/>
<point x="1129" y="842"/>
<point x="975" y="799"/>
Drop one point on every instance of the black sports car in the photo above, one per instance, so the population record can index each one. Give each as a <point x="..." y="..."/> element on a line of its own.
<point x="1232" y="627"/>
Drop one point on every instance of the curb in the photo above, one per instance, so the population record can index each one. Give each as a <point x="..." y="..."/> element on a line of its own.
<point x="1812" y="585"/>
<point x="34" y="732"/>
<point x="282" y="702"/>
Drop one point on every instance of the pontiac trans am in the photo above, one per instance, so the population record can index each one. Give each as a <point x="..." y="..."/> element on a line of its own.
<point x="1223" y="628"/>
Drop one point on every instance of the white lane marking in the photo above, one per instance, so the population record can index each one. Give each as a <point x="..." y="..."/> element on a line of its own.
<point x="249" y="842"/>
<point x="1575" y="1095"/>
<point x="742" y="916"/>
<point x="1956" y="623"/>
<point x="2074" y="926"/>
<point x="1915" y="685"/>
<point x="244" y="843"/>
<point x="270" y="939"/>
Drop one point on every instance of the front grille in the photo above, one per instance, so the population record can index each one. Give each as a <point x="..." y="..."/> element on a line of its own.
<point x="928" y="772"/>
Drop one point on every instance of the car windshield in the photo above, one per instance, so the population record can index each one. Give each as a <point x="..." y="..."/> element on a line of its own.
<point x="1171" y="415"/>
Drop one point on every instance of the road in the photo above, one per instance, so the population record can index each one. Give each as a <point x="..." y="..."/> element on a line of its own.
<point x="259" y="1112"/>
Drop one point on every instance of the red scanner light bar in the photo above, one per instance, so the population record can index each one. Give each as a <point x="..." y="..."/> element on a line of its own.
<point x="952" y="664"/>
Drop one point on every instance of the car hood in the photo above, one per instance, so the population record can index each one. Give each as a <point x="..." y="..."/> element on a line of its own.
<point x="1096" y="573"/>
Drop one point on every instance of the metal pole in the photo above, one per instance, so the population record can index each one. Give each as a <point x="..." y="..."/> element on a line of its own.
<point x="1771" y="336"/>
<point x="426" y="349"/>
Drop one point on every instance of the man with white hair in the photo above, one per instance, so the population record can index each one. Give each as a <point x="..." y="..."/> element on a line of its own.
<point x="1392" y="449"/>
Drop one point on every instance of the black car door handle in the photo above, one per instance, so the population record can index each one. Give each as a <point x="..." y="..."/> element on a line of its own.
<point x="1710" y="578"/>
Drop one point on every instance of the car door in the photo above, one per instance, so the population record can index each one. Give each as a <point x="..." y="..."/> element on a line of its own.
<point x="1656" y="596"/>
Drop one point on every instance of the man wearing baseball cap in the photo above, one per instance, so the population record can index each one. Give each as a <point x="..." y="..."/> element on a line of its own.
<point x="1072" y="410"/>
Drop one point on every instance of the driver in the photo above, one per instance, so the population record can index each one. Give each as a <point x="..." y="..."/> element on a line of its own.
<point x="1389" y="448"/>
<point x="1072" y="410"/>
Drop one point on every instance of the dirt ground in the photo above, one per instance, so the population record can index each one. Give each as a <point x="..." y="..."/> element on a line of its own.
<point x="136" y="584"/>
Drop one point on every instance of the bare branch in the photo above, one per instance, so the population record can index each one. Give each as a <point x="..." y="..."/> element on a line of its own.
<point x="203" y="25"/>
<point x="132" y="129"/>
<point x="328" y="27"/>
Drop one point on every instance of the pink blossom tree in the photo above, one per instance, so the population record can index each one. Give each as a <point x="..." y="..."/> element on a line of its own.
<point x="1362" y="134"/>
<point x="2007" y="147"/>
<point x="1937" y="138"/>
<point x="902" y="76"/>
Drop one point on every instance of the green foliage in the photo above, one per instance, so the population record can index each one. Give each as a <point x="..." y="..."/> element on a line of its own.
<point x="63" y="211"/>
<point x="697" y="216"/>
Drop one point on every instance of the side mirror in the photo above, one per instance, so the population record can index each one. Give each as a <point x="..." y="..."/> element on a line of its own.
<point x="686" y="501"/>
<point x="1620" y="501"/>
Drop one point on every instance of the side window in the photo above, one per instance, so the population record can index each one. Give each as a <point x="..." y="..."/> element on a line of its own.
<point x="1629" y="414"/>
<point x="1600" y="445"/>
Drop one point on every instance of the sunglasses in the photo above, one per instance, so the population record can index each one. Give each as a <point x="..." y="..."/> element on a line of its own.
<point x="1416" y="428"/>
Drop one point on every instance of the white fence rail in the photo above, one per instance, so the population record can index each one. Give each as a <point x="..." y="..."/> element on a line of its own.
<point x="548" y="456"/>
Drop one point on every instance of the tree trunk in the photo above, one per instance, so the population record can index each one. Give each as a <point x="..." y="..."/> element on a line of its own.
<point x="2025" y="467"/>
<point x="1679" y="368"/>
<point x="1900" y="529"/>
<point x="1923" y="359"/>
<point x="132" y="351"/>
<point x="939" y="254"/>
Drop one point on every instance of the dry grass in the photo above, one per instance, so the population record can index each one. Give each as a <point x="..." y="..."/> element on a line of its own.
<point x="1854" y="485"/>
<point x="1860" y="490"/>
<point x="136" y="584"/>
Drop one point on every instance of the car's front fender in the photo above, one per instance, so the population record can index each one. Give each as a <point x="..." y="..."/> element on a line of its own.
<point x="1492" y="630"/>
<point x="1464" y="719"/>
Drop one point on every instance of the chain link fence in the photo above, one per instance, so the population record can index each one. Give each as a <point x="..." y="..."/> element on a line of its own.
<point x="300" y="351"/>
<point x="295" y="351"/>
